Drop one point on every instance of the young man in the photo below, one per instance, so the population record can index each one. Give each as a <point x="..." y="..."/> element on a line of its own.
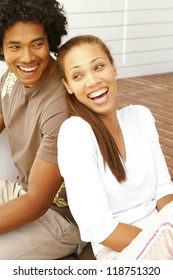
<point x="32" y="108"/>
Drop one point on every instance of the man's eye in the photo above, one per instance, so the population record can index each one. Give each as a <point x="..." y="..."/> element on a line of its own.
<point x="38" y="45"/>
<point x="14" y="47"/>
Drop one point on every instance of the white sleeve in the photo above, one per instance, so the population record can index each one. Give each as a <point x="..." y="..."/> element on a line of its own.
<point x="78" y="162"/>
<point x="164" y="184"/>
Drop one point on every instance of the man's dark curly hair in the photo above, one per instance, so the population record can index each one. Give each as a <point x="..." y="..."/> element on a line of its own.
<point x="49" y="13"/>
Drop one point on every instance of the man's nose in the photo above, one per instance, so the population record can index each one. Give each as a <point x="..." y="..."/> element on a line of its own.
<point x="27" y="55"/>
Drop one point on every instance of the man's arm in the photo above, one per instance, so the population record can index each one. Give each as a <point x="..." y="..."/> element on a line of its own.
<point x="44" y="181"/>
<point x="2" y="125"/>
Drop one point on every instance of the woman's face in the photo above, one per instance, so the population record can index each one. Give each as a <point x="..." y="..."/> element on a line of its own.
<point x="91" y="77"/>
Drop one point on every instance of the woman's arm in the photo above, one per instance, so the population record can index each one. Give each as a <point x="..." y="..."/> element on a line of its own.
<point x="121" y="237"/>
<point x="164" y="201"/>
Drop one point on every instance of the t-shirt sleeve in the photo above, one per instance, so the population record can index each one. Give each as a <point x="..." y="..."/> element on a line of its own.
<point x="51" y="119"/>
<point x="78" y="162"/>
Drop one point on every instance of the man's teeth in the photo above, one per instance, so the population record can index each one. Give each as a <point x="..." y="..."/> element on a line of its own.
<point x="28" y="69"/>
<point x="97" y="93"/>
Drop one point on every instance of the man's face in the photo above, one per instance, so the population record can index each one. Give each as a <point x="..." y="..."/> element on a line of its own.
<point x="26" y="52"/>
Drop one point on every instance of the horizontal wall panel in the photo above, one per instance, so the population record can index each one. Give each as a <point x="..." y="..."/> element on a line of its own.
<point x="84" y="6"/>
<point x="148" y="4"/>
<point x="144" y="70"/>
<point x="123" y="32"/>
<point x="119" y="18"/>
<point x="134" y="59"/>
<point x="140" y="44"/>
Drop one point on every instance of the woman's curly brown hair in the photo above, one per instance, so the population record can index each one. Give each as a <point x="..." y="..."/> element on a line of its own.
<point x="49" y="13"/>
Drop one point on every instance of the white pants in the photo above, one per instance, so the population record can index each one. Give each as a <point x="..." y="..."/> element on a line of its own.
<point x="154" y="242"/>
<point x="50" y="237"/>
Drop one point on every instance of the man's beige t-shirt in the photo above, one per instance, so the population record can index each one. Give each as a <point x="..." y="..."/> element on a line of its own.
<point x="32" y="119"/>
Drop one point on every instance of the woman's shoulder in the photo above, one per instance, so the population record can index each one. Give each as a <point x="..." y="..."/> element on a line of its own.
<point x="133" y="111"/>
<point x="75" y="121"/>
<point x="137" y="116"/>
<point x="75" y="125"/>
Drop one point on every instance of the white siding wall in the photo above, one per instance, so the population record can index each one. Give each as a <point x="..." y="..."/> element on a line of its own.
<point x="139" y="32"/>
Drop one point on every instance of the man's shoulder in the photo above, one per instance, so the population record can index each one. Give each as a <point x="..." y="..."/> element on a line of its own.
<point x="52" y="83"/>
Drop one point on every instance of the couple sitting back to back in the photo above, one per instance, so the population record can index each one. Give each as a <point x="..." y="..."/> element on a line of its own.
<point x="118" y="185"/>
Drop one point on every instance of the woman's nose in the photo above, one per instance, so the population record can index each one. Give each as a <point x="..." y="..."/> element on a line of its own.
<point x="92" y="79"/>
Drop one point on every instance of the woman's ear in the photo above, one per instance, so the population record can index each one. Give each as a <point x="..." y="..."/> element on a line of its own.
<point x="115" y="70"/>
<point x="67" y="86"/>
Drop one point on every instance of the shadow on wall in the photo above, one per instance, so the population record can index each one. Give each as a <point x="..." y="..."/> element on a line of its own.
<point x="7" y="168"/>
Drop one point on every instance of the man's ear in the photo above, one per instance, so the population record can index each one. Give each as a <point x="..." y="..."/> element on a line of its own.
<point x="67" y="86"/>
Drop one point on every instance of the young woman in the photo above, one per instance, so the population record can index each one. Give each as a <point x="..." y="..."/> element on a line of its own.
<point x="118" y="185"/>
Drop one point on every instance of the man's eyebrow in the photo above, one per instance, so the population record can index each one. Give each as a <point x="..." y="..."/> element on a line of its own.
<point x="13" y="42"/>
<point x="38" y="39"/>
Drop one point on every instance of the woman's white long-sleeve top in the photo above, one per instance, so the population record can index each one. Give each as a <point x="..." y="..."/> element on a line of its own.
<point x="96" y="199"/>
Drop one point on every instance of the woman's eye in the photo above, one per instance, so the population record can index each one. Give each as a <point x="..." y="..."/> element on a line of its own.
<point x="77" y="76"/>
<point x="99" y="66"/>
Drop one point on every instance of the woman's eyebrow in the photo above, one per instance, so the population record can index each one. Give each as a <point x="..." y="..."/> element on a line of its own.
<point x="93" y="60"/>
